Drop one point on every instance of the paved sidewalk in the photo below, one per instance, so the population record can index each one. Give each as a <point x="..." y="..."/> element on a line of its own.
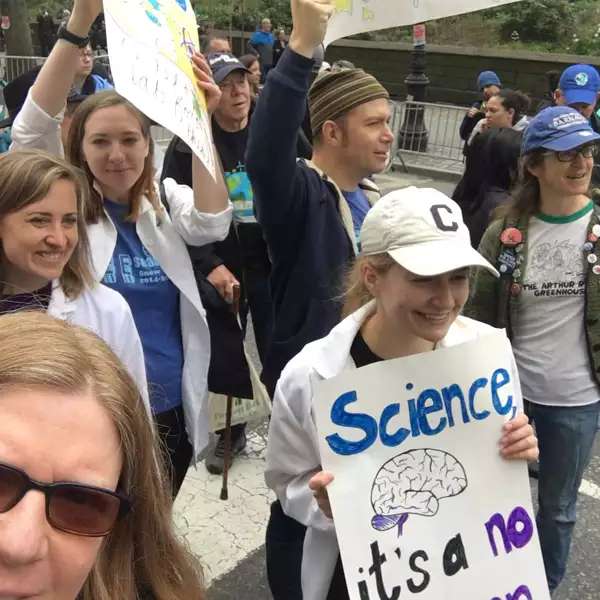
<point x="223" y="533"/>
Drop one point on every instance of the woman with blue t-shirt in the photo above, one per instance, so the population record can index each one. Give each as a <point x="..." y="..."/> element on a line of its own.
<point x="547" y="249"/>
<point x="138" y="247"/>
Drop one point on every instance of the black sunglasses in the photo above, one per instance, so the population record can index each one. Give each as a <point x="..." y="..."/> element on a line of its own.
<point x="71" y="507"/>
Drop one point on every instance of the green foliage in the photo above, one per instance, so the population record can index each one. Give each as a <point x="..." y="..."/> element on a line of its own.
<point x="246" y="15"/>
<point x="537" y="20"/>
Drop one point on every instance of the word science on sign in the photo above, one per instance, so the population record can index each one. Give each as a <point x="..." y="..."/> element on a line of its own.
<point x="424" y="505"/>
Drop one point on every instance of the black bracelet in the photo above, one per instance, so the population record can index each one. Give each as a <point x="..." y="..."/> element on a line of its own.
<point x="76" y="40"/>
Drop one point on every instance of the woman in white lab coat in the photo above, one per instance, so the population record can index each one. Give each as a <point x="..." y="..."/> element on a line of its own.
<point x="45" y="254"/>
<point x="406" y="291"/>
<point x="138" y="247"/>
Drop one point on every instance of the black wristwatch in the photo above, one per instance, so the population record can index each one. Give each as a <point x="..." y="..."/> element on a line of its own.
<point x="76" y="40"/>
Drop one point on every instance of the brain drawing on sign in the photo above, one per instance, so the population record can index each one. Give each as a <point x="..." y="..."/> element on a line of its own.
<point x="413" y="483"/>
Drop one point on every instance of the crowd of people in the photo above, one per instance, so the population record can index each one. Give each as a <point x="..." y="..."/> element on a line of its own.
<point x="127" y="290"/>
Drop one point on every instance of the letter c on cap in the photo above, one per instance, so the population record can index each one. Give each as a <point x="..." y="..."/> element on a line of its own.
<point x="439" y="221"/>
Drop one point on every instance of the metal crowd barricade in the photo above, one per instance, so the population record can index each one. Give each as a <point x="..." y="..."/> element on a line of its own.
<point x="13" y="66"/>
<point x="440" y="147"/>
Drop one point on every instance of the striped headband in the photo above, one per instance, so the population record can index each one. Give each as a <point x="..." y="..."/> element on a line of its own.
<point x="334" y="94"/>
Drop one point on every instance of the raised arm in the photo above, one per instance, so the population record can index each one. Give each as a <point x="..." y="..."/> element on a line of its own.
<point x="271" y="151"/>
<point x="55" y="79"/>
<point x="210" y="195"/>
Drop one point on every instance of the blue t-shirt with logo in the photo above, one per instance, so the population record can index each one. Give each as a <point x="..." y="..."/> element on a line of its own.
<point x="359" y="207"/>
<point x="154" y="302"/>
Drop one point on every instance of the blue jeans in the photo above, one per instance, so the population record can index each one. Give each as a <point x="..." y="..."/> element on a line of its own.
<point x="565" y="437"/>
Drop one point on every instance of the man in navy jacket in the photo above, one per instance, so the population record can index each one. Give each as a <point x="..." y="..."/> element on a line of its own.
<point x="310" y="213"/>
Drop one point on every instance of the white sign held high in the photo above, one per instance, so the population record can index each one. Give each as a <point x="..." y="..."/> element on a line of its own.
<point x="424" y="505"/>
<point x="149" y="45"/>
<point x="358" y="16"/>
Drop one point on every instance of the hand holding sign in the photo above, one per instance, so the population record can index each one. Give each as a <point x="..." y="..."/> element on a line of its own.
<point x="518" y="441"/>
<point x="310" y="18"/>
<point x="318" y="484"/>
<point x="206" y="82"/>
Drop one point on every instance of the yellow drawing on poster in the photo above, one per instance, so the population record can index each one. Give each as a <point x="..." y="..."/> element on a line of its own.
<point x="343" y="6"/>
<point x="164" y="26"/>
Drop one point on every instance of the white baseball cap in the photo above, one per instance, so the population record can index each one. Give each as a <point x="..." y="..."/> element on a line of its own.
<point x="422" y="230"/>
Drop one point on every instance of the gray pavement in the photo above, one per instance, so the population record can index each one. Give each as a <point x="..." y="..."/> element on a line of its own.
<point x="228" y="536"/>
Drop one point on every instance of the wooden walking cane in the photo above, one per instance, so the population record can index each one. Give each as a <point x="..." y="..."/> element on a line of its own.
<point x="235" y="309"/>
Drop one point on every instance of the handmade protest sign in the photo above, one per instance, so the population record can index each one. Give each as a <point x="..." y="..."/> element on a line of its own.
<point x="424" y="506"/>
<point x="358" y="16"/>
<point x="150" y="44"/>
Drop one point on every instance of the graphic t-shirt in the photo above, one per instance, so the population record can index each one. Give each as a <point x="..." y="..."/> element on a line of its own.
<point x="154" y="302"/>
<point x="231" y="146"/>
<point x="359" y="207"/>
<point x="549" y="337"/>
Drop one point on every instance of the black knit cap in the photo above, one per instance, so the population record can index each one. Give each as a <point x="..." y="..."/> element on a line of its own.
<point x="334" y="94"/>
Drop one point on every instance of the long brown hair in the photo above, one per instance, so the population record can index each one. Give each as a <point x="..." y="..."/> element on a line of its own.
<point x="143" y="186"/>
<point x="142" y="554"/>
<point x="26" y="176"/>
<point x="356" y="293"/>
<point x="525" y="197"/>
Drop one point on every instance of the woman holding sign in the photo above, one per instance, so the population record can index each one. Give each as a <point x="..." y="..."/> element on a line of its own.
<point x="404" y="297"/>
<point x="138" y="247"/>
<point x="546" y="249"/>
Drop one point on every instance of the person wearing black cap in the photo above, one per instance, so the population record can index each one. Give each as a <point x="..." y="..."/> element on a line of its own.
<point x="240" y="258"/>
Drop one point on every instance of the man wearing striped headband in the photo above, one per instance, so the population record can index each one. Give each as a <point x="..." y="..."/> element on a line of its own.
<point x="311" y="213"/>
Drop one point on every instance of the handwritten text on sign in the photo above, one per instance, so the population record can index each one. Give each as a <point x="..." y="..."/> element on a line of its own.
<point x="150" y="47"/>
<point x="358" y="16"/>
<point x="424" y="505"/>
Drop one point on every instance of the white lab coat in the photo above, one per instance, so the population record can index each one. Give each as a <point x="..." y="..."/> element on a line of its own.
<point x="164" y="237"/>
<point x="107" y="314"/>
<point x="293" y="451"/>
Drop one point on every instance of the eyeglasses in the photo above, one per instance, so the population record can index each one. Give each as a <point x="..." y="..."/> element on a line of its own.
<point x="71" y="507"/>
<point x="587" y="151"/>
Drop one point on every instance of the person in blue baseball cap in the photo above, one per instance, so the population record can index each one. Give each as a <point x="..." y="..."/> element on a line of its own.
<point x="488" y="84"/>
<point x="578" y="87"/>
<point x="546" y="246"/>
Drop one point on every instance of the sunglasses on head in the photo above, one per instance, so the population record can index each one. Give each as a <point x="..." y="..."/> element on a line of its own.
<point x="71" y="507"/>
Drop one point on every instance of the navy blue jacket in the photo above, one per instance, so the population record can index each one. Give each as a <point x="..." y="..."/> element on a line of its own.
<point x="297" y="208"/>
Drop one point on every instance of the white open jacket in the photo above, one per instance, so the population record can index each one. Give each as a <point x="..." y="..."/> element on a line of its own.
<point x="106" y="313"/>
<point x="165" y="236"/>
<point x="293" y="451"/>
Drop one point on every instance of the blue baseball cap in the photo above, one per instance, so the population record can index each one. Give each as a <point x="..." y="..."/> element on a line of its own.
<point x="486" y="78"/>
<point x="580" y="84"/>
<point x="557" y="128"/>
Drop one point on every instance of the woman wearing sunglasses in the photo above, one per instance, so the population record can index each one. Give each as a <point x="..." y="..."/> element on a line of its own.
<point x="546" y="247"/>
<point x="84" y="512"/>
<point x="45" y="262"/>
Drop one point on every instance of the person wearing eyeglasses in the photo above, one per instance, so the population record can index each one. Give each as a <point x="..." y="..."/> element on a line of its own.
<point x="87" y="80"/>
<point x="546" y="247"/>
<point x="84" y="511"/>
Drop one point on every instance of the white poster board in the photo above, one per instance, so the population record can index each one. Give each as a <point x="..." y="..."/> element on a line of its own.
<point x="424" y="505"/>
<point x="358" y="16"/>
<point x="149" y="45"/>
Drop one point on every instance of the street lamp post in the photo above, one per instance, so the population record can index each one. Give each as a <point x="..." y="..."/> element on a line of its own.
<point x="413" y="134"/>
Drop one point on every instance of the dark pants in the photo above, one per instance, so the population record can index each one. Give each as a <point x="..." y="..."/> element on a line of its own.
<point x="174" y="444"/>
<point x="285" y="540"/>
